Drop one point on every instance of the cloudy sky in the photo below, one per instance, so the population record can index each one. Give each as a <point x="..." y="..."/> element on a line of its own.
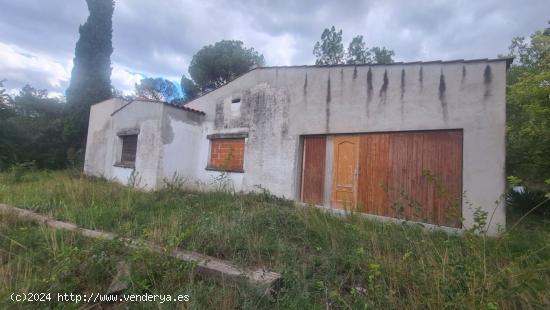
<point x="159" y="38"/>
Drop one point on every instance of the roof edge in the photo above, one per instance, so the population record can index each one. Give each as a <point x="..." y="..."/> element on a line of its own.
<point x="401" y="63"/>
<point x="508" y="60"/>
<point x="180" y="107"/>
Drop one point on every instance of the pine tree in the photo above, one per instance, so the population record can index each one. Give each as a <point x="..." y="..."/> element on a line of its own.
<point x="91" y="75"/>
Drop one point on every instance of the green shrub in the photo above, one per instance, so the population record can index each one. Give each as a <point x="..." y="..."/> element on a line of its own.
<point x="18" y="171"/>
<point x="521" y="202"/>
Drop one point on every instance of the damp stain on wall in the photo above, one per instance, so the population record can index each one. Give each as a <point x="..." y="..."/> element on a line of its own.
<point x="369" y="85"/>
<point x="341" y="85"/>
<point x="442" y="96"/>
<point x="305" y="89"/>
<point x="463" y="79"/>
<point x="327" y="105"/>
<point x="354" y="72"/>
<point x="421" y="79"/>
<point x="402" y="84"/>
<point x="487" y="79"/>
<point x="219" y="117"/>
<point x="384" y="88"/>
<point x="402" y="87"/>
<point x="369" y="90"/>
<point x="285" y="100"/>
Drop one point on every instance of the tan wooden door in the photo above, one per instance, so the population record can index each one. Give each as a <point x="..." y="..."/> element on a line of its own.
<point x="345" y="172"/>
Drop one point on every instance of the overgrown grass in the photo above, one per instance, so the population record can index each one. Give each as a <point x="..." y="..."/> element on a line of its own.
<point x="326" y="261"/>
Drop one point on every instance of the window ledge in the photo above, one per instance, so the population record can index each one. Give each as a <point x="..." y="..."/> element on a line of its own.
<point x="125" y="165"/>
<point x="224" y="170"/>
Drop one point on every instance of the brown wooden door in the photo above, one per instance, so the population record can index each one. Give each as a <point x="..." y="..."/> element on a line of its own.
<point x="345" y="171"/>
<point x="412" y="175"/>
<point x="313" y="169"/>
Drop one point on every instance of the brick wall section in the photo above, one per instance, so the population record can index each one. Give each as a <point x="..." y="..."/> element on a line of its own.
<point x="226" y="154"/>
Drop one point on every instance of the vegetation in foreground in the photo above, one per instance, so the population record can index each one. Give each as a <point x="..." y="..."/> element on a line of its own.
<point x="326" y="261"/>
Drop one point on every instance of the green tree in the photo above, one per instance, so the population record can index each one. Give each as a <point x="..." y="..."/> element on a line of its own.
<point x="91" y="74"/>
<point x="4" y="97"/>
<point x="157" y="89"/>
<point x="7" y="142"/>
<point x="215" y="65"/>
<point x="358" y="53"/>
<point x="330" y="51"/>
<point x="528" y="108"/>
<point x="382" y="55"/>
<point x="32" y="130"/>
<point x="189" y="88"/>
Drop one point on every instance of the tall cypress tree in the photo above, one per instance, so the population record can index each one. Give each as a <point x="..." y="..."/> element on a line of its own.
<point x="91" y="74"/>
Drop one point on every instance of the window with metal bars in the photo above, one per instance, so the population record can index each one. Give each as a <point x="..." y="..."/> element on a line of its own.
<point x="129" y="150"/>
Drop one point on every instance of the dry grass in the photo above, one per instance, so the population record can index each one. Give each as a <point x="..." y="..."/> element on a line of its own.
<point x="326" y="261"/>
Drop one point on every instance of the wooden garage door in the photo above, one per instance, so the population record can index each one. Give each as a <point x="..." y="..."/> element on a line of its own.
<point x="313" y="173"/>
<point x="412" y="175"/>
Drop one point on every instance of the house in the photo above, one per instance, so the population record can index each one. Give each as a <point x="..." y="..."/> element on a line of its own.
<point x="422" y="141"/>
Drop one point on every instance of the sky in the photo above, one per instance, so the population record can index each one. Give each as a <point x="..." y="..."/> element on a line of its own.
<point x="158" y="38"/>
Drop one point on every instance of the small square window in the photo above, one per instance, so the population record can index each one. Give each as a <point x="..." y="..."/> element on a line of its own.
<point x="129" y="150"/>
<point x="226" y="154"/>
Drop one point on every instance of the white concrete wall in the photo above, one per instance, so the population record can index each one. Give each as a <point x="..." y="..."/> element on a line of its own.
<point x="278" y="105"/>
<point x="101" y="143"/>
<point x="104" y="146"/>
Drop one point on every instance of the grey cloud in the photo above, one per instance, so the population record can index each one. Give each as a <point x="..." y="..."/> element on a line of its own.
<point x="159" y="38"/>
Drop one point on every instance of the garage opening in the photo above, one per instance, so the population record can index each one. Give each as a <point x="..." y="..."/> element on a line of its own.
<point x="413" y="175"/>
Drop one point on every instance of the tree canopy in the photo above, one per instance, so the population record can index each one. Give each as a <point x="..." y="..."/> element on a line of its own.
<point x="382" y="55"/>
<point x="528" y="108"/>
<point x="358" y="53"/>
<point x="189" y="88"/>
<point x="91" y="74"/>
<point x="157" y="89"/>
<point x="330" y="50"/>
<point x="215" y="65"/>
<point x="31" y="126"/>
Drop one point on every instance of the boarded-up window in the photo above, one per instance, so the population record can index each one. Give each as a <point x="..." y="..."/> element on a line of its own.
<point x="226" y="154"/>
<point x="129" y="149"/>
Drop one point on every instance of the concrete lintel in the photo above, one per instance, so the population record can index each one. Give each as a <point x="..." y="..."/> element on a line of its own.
<point x="128" y="132"/>
<point x="228" y="135"/>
